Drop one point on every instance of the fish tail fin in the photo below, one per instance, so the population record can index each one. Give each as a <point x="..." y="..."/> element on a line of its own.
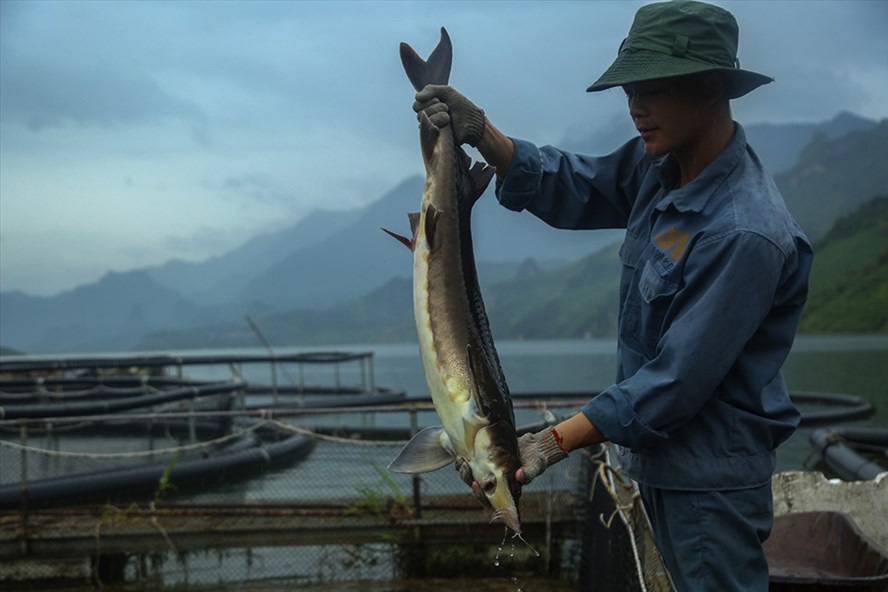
<point x="435" y="70"/>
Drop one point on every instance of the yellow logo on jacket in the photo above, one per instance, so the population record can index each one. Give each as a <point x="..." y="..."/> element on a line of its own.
<point x="674" y="241"/>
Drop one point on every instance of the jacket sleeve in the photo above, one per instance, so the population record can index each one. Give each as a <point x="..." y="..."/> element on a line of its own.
<point x="728" y="290"/>
<point x="571" y="190"/>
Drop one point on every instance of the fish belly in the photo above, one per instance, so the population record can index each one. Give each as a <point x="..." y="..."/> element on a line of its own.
<point x="450" y="391"/>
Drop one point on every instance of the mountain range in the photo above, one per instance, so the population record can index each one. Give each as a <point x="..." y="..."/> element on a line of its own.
<point x="849" y="279"/>
<point x="333" y="269"/>
<point x="578" y="300"/>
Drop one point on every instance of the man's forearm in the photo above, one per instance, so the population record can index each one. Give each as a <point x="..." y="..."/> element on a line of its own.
<point x="496" y="148"/>
<point x="578" y="432"/>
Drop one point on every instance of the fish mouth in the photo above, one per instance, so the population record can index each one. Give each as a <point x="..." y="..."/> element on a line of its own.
<point x="510" y="517"/>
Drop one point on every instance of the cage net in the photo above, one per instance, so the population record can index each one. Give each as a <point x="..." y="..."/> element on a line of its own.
<point x="206" y="494"/>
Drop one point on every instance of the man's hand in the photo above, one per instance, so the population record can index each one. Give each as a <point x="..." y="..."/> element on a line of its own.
<point x="538" y="451"/>
<point x="465" y="473"/>
<point x="443" y="105"/>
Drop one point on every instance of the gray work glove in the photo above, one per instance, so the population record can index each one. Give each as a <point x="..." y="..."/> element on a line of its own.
<point x="443" y="105"/>
<point x="465" y="473"/>
<point x="538" y="451"/>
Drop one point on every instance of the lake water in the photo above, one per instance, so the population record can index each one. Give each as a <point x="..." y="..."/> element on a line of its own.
<point x="850" y="364"/>
<point x="855" y="365"/>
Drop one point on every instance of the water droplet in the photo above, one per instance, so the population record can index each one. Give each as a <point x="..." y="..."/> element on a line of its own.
<point x="537" y="553"/>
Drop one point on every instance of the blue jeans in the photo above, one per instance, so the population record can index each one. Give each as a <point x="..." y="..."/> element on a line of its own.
<point x="712" y="540"/>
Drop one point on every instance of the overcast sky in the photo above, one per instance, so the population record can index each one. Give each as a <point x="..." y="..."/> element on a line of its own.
<point x="131" y="133"/>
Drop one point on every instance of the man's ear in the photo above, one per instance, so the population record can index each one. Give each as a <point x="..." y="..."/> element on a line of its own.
<point x="714" y="88"/>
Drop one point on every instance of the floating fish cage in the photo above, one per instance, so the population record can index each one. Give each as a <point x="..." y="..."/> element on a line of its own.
<point x="246" y="471"/>
<point x="268" y="473"/>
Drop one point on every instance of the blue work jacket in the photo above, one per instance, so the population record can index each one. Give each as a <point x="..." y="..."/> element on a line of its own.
<point x="714" y="278"/>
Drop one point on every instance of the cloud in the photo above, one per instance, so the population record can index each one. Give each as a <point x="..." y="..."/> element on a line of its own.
<point x="205" y="242"/>
<point x="72" y="64"/>
<point x="250" y="188"/>
<point x="50" y="92"/>
<point x="250" y="113"/>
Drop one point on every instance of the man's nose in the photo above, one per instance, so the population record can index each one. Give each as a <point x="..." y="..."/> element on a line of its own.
<point x="637" y="108"/>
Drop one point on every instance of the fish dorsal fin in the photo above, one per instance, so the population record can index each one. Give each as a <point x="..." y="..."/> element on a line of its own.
<point x="428" y="450"/>
<point x="435" y="70"/>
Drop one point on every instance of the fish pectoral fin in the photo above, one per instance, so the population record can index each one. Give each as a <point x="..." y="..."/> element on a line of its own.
<point x="428" y="450"/>
<point x="409" y="243"/>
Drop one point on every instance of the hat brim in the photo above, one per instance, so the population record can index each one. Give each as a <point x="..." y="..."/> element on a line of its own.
<point x="642" y="65"/>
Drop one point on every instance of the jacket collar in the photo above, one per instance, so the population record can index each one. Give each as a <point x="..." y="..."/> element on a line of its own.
<point x="694" y="196"/>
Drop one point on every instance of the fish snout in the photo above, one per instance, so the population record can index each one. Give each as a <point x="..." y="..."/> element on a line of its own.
<point x="510" y="517"/>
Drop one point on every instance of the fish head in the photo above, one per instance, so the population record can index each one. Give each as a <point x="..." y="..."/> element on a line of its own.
<point x="494" y="464"/>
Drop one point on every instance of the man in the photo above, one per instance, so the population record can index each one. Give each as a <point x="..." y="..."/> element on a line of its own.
<point x="714" y="279"/>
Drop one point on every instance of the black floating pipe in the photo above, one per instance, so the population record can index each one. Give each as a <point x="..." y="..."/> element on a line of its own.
<point x="60" y="385"/>
<point x="17" y="364"/>
<point x="143" y="480"/>
<point x="843" y="459"/>
<point x="842" y="407"/>
<point x="114" y="406"/>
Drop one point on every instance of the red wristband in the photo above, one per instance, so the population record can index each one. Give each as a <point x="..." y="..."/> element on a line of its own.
<point x="559" y="439"/>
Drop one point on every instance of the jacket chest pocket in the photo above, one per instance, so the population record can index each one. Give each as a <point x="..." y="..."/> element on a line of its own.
<point x="657" y="287"/>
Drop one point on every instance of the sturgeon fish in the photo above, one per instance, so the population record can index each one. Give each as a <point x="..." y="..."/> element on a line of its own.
<point x="459" y="359"/>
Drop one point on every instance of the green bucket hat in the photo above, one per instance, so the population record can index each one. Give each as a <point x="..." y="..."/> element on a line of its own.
<point x="679" y="38"/>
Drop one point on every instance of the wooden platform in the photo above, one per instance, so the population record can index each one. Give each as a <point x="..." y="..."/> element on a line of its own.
<point x="75" y="532"/>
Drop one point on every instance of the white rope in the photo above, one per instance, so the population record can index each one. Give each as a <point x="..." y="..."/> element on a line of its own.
<point x="139" y="454"/>
<point x="44" y="393"/>
<point x="337" y="439"/>
<point x="611" y="487"/>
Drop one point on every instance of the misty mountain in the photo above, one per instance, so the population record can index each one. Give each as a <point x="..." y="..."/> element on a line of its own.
<point x="849" y="278"/>
<point x="215" y="280"/>
<point x="360" y="257"/>
<point x="779" y="145"/>
<point x="333" y="275"/>
<point x="834" y="177"/>
<point x="599" y="137"/>
<point x="578" y="300"/>
<point x="848" y="289"/>
<point x="383" y="314"/>
<point x="830" y="180"/>
<point x="109" y="314"/>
